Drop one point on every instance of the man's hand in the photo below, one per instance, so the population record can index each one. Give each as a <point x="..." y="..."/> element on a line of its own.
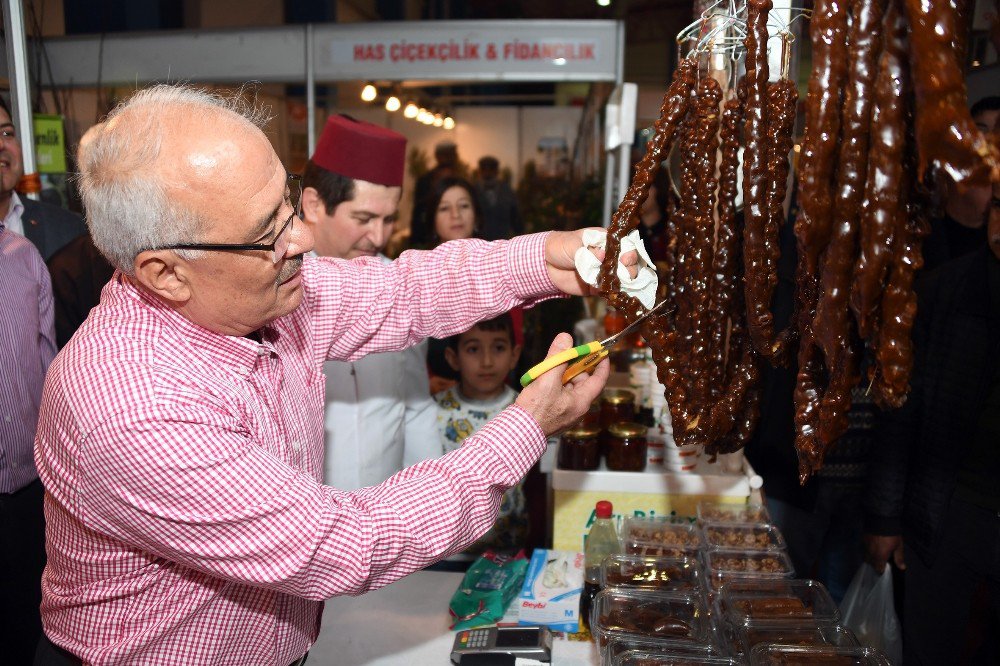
<point x="561" y="246"/>
<point x="555" y="406"/>
<point x="878" y="549"/>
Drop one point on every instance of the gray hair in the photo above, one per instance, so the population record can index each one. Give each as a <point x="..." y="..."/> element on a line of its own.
<point x="125" y="197"/>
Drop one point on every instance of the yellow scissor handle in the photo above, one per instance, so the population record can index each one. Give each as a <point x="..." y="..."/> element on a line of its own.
<point x="558" y="359"/>
<point x="586" y="364"/>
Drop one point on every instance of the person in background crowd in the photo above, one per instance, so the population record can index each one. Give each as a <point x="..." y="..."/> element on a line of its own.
<point x="27" y="346"/>
<point x="180" y="436"/>
<point x="454" y="213"/>
<point x="933" y="485"/>
<point x="79" y="272"/>
<point x="961" y="228"/>
<point x="653" y="215"/>
<point x="501" y="216"/>
<point x="483" y="356"/>
<point x="379" y="411"/>
<point x="446" y="158"/>
<point x="48" y="227"/>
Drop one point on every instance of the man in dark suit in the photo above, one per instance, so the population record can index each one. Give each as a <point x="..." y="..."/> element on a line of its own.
<point x="935" y="463"/>
<point x="48" y="227"/>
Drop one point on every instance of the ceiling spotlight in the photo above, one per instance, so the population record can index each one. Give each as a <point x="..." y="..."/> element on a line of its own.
<point x="438" y="120"/>
<point x="449" y="123"/>
<point x="392" y="104"/>
<point x="428" y="118"/>
<point x="410" y="110"/>
<point x="604" y="3"/>
<point x="368" y="93"/>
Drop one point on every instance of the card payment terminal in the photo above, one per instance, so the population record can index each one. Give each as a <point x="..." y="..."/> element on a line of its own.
<point x="527" y="642"/>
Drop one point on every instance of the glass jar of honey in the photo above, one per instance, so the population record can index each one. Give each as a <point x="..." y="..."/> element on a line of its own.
<point x="579" y="448"/>
<point x="627" y="447"/>
<point x="617" y="406"/>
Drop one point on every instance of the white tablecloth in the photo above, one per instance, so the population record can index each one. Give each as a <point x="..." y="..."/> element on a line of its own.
<point x="406" y="624"/>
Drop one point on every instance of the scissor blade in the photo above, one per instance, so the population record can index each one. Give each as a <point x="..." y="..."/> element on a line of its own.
<point x="614" y="338"/>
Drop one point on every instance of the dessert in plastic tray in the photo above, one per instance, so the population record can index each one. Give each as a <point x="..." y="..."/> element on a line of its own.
<point x="724" y="512"/>
<point x="618" y="645"/>
<point x="647" y="549"/>
<point x="724" y="566"/>
<point x="662" y="532"/>
<point x="640" y="658"/>
<point x="745" y="602"/>
<point x="652" y="573"/>
<point x="751" y="536"/>
<point x="798" y="655"/>
<point x="818" y="634"/>
<point x="620" y="612"/>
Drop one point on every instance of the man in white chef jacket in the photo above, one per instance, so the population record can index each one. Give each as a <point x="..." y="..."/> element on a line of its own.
<point x="380" y="416"/>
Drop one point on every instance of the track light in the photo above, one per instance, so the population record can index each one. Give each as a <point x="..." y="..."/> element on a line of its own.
<point x="449" y="123"/>
<point x="410" y="110"/>
<point x="392" y="104"/>
<point x="438" y="120"/>
<point x="368" y="93"/>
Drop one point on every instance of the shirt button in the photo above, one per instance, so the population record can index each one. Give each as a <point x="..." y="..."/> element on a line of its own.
<point x="7" y="419"/>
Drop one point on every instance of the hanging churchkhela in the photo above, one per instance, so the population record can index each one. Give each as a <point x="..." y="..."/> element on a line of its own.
<point x="858" y="233"/>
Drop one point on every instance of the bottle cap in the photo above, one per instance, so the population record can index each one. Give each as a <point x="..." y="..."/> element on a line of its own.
<point x="604" y="509"/>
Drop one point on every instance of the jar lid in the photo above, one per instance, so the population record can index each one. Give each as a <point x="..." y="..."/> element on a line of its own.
<point x="617" y="396"/>
<point x="627" y="429"/>
<point x="583" y="431"/>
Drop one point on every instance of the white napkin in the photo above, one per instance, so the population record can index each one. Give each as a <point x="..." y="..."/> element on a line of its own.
<point x="642" y="286"/>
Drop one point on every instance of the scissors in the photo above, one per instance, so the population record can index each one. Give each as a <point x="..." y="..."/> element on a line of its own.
<point x="592" y="353"/>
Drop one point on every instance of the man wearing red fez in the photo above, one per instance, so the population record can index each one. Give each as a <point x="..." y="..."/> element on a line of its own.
<point x="379" y="414"/>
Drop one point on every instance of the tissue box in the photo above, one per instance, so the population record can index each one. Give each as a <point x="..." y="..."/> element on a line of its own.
<point x="551" y="591"/>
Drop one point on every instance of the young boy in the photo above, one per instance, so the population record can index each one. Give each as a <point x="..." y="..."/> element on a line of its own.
<point x="483" y="357"/>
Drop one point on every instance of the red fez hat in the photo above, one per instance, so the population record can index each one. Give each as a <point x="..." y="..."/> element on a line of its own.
<point x="361" y="151"/>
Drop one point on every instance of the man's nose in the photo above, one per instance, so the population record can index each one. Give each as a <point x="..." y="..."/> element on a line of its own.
<point x="301" y="240"/>
<point x="378" y="234"/>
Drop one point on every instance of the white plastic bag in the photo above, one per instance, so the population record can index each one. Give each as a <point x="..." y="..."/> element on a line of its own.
<point x="868" y="611"/>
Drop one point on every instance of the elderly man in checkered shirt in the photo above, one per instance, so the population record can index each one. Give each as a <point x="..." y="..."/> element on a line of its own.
<point x="181" y="431"/>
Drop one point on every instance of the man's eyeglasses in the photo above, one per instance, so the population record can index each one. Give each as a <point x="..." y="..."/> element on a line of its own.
<point x="279" y="247"/>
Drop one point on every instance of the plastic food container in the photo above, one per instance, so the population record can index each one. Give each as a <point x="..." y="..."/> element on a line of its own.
<point x="621" y="612"/>
<point x="674" y="658"/>
<point x="823" y="634"/>
<point x="668" y="574"/>
<point x="662" y="532"/>
<point x="759" y="536"/>
<point x="657" y="646"/>
<point x="723" y="512"/>
<point x="647" y="549"/>
<point x="795" y="655"/>
<point x="725" y="566"/>
<point x="793" y="601"/>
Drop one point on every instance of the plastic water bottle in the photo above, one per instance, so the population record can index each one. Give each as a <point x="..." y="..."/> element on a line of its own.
<point x="602" y="540"/>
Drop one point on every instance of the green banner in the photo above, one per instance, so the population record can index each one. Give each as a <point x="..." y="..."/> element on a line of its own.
<point x="50" y="143"/>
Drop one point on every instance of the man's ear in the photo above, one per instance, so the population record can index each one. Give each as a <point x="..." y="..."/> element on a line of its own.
<point x="312" y="205"/>
<point x="165" y="274"/>
<point x="451" y="356"/>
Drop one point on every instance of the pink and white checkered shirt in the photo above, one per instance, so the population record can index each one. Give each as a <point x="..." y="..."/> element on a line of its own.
<point x="186" y="521"/>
